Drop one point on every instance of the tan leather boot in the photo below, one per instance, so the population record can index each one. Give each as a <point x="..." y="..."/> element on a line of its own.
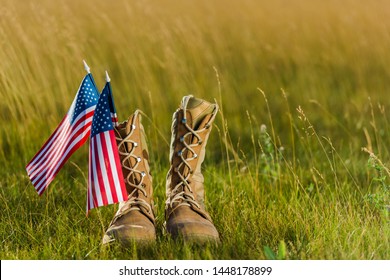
<point x="185" y="212"/>
<point x="135" y="219"/>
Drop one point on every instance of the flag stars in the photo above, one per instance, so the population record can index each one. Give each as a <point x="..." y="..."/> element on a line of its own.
<point x="86" y="97"/>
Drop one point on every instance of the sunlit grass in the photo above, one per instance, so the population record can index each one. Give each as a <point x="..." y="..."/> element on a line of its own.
<point x="302" y="86"/>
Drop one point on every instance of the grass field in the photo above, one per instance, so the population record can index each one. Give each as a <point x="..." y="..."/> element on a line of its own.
<point x="303" y="87"/>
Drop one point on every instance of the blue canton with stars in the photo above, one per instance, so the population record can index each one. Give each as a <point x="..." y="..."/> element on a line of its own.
<point x="102" y="118"/>
<point x="86" y="97"/>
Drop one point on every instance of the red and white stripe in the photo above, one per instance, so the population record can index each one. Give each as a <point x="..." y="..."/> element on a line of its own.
<point x="65" y="140"/>
<point x="114" y="119"/>
<point x="105" y="179"/>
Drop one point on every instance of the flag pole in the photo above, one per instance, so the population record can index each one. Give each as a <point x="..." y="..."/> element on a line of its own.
<point x="107" y="77"/>
<point x="86" y="67"/>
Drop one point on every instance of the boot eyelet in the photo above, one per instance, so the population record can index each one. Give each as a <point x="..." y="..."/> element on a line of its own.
<point x="143" y="174"/>
<point x="179" y="153"/>
<point x="138" y="159"/>
<point x="182" y="139"/>
<point x="135" y="144"/>
<point x="133" y="126"/>
<point x="183" y="120"/>
<point x="195" y="155"/>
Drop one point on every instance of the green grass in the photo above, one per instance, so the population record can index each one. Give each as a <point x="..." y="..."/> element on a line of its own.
<point x="303" y="86"/>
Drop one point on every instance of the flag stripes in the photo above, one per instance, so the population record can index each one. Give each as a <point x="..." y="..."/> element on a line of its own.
<point x="41" y="153"/>
<point x="72" y="132"/>
<point x="105" y="179"/>
<point x="67" y="139"/>
<point x="57" y="140"/>
<point x="103" y="189"/>
<point x="114" y="119"/>
<point x="90" y="115"/>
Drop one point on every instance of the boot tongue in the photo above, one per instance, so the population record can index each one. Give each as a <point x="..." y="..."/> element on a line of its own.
<point x="122" y="130"/>
<point x="198" y="114"/>
<point x="129" y="123"/>
<point x="197" y="109"/>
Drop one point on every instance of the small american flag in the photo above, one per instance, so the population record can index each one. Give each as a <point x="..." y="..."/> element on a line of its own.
<point x="71" y="134"/>
<point x="105" y="179"/>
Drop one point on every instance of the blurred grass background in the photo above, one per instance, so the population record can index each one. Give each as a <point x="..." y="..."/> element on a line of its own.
<point x="302" y="85"/>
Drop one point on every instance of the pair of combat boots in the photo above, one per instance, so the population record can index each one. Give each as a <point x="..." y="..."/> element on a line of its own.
<point x="185" y="214"/>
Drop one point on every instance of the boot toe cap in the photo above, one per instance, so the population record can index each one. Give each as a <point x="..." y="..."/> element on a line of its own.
<point x="128" y="231"/>
<point x="191" y="227"/>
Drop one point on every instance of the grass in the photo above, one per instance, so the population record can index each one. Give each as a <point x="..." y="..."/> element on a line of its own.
<point x="302" y="85"/>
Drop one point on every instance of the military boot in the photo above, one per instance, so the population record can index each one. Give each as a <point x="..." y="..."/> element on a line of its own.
<point x="135" y="219"/>
<point x="185" y="212"/>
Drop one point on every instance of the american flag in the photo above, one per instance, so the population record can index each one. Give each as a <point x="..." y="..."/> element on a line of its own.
<point x="71" y="134"/>
<point x="105" y="179"/>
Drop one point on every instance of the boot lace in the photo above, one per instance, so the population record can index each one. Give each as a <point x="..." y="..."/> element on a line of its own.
<point x="179" y="195"/>
<point x="135" y="177"/>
